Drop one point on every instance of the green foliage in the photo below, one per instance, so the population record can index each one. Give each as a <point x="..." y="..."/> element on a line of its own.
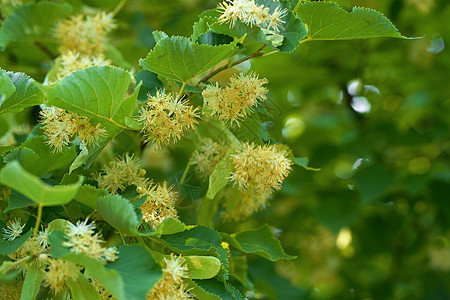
<point x="14" y="176"/>
<point x="32" y="22"/>
<point x="202" y="267"/>
<point x="32" y="283"/>
<point x="260" y="241"/>
<point x="7" y="247"/>
<point x="25" y="93"/>
<point x="177" y="58"/>
<point x="96" y="92"/>
<point x="219" y="178"/>
<point x="138" y="271"/>
<point x="369" y="117"/>
<point x="328" y="21"/>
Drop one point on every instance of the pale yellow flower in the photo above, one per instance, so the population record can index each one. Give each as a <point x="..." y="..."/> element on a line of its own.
<point x="166" y="118"/>
<point x="62" y="127"/>
<point x="72" y="61"/>
<point x="81" y="239"/>
<point x="246" y="203"/>
<point x="85" y="34"/>
<point x="58" y="272"/>
<point x="250" y="13"/>
<point x="207" y="156"/>
<point x="13" y="230"/>
<point x="159" y="204"/>
<point x="235" y="101"/>
<point x="260" y="168"/>
<point x="171" y="286"/>
<point x="121" y="172"/>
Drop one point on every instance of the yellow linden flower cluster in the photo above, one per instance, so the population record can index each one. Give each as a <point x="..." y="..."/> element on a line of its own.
<point x="11" y="291"/>
<point x="171" y="286"/>
<point x="260" y="168"/>
<point x="121" y="172"/>
<point x="61" y="127"/>
<point x="165" y="118"/>
<point x="251" y="13"/>
<point x="159" y="204"/>
<point x="34" y="250"/>
<point x="58" y="272"/>
<point x="125" y="171"/>
<point x="71" y="61"/>
<point x="81" y="239"/>
<point x="235" y="101"/>
<point x="257" y="171"/>
<point x="85" y="34"/>
<point x="102" y="292"/>
<point x="82" y="47"/>
<point x="82" y="41"/>
<point x="248" y="203"/>
<point x="207" y="156"/>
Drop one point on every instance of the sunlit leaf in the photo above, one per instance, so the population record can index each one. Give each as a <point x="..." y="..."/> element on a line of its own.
<point x="328" y="21"/>
<point x="179" y="59"/>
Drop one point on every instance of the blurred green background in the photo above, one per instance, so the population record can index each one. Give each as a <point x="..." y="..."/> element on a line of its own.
<point x="373" y="115"/>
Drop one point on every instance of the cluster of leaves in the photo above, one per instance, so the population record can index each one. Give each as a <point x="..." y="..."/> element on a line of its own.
<point x="41" y="186"/>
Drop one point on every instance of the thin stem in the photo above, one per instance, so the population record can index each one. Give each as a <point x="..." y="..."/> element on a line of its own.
<point x="67" y="212"/>
<point x="212" y="74"/>
<point x="142" y="242"/>
<point x="45" y="50"/>
<point x="298" y="4"/>
<point x="183" y="178"/>
<point x="38" y="219"/>
<point x="180" y="93"/>
<point x="123" y="239"/>
<point x="90" y="215"/>
<point x="119" y="7"/>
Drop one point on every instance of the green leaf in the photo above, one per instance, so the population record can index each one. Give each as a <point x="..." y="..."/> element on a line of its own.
<point x="110" y="278"/>
<point x="7" y="247"/>
<point x="293" y="28"/>
<point x="179" y="59"/>
<point x="200" y="292"/>
<point x="198" y="240"/>
<point x="303" y="162"/>
<point x="26" y="157"/>
<point x="328" y="21"/>
<point x="150" y="84"/>
<point x="373" y="182"/>
<point x="48" y="161"/>
<point x="119" y="213"/>
<point x="222" y="289"/>
<point x="81" y="288"/>
<point x="96" y="92"/>
<point x="260" y="241"/>
<point x="220" y="176"/>
<point x="14" y="176"/>
<point x="17" y="200"/>
<point x="138" y="270"/>
<point x="55" y="239"/>
<point x="168" y="226"/>
<point x="80" y="159"/>
<point x="32" y="22"/>
<point x="202" y="267"/>
<point x="88" y="195"/>
<point x="7" y="87"/>
<point x="32" y="283"/>
<point x="26" y="94"/>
